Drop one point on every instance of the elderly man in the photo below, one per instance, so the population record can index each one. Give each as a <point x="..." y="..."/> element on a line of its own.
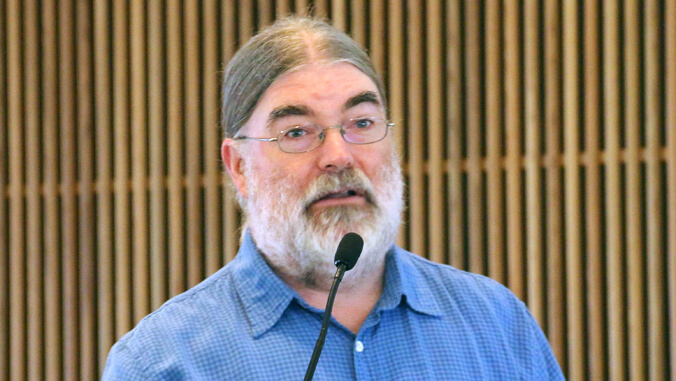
<point x="309" y="149"/>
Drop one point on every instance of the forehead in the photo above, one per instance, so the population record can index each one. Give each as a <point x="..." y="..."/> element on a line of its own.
<point x="318" y="87"/>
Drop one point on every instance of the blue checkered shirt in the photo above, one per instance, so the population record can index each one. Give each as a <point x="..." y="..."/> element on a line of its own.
<point x="432" y="322"/>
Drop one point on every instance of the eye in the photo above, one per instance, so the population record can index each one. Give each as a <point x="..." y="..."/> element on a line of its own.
<point x="362" y="123"/>
<point x="296" y="132"/>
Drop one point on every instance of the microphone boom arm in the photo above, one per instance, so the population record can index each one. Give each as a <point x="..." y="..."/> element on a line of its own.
<point x="319" y="345"/>
<point x="347" y="254"/>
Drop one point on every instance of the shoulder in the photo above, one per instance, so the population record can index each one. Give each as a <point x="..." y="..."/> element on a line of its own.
<point x="486" y="310"/>
<point x="194" y="319"/>
<point x="461" y="291"/>
<point x="443" y="277"/>
<point x="200" y="302"/>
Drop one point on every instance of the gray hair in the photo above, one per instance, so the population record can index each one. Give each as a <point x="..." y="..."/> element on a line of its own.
<point x="278" y="49"/>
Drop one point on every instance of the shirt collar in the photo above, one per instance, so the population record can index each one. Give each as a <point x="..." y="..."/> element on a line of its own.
<point x="265" y="296"/>
<point x="404" y="283"/>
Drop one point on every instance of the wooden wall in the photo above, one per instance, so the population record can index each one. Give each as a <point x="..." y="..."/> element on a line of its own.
<point x="539" y="140"/>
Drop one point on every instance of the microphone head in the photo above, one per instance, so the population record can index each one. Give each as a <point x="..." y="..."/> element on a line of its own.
<point x="349" y="250"/>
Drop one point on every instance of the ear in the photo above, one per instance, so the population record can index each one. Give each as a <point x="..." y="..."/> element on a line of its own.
<point x="234" y="163"/>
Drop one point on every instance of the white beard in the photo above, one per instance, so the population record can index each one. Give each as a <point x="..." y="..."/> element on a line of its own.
<point x="301" y="243"/>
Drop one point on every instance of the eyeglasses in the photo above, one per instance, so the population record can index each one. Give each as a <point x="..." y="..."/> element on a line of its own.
<point x="300" y="139"/>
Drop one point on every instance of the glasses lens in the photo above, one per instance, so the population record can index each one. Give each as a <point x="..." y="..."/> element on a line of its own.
<point x="300" y="138"/>
<point x="365" y="130"/>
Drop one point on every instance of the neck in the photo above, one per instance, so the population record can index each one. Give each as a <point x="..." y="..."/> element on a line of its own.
<point x="352" y="304"/>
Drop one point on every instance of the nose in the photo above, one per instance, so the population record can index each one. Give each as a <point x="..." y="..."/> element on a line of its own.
<point x="335" y="154"/>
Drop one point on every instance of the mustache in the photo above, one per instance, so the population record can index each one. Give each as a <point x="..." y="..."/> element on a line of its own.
<point x="350" y="179"/>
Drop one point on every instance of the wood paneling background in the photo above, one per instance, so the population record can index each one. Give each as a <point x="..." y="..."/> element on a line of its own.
<point x="539" y="141"/>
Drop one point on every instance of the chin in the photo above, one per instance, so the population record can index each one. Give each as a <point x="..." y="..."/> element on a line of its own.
<point x="343" y="219"/>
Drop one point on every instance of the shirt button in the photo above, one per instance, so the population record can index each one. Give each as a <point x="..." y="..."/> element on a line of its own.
<point x="359" y="346"/>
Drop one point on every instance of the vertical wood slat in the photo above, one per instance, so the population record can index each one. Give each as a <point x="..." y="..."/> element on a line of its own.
<point x="174" y="138"/>
<point x="5" y="289"/>
<point x="535" y="278"/>
<point x="435" y="139"/>
<point x="17" y="336"/>
<point x="157" y="141"/>
<point x="554" y="240"/>
<point x="613" y="214"/>
<point x="593" y="230"/>
<point x="494" y="138"/>
<point x="302" y="7"/>
<point x="396" y="72"/>
<point x="654" y="205"/>
<point x="264" y="12"/>
<point x="573" y="219"/>
<point x="229" y="206"/>
<point x="191" y="48"/>
<point x="320" y="8"/>
<point x="634" y="194"/>
<point x="85" y="167"/>
<point x="414" y="145"/>
<point x="121" y="117"/>
<point x="338" y="16"/>
<point x="377" y="39"/>
<point x="473" y="128"/>
<point x="210" y="97"/>
<point x="455" y="136"/>
<point x="69" y="217"/>
<point x="34" y="286"/>
<point x="139" y="172"/>
<point x="104" y="210"/>
<point x="50" y="159"/>
<point x="513" y="123"/>
<point x="281" y="9"/>
<point x="357" y="19"/>
<point x="245" y="21"/>
<point x="670" y="86"/>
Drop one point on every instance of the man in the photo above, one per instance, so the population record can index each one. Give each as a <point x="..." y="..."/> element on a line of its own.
<point x="309" y="149"/>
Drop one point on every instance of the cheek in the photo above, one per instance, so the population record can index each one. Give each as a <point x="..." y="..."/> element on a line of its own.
<point x="375" y="161"/>
<point x="292" y="174"/>
<point x="297" y="167"/>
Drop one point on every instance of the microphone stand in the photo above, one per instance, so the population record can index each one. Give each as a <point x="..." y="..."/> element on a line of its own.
<point x="325" y="321"/>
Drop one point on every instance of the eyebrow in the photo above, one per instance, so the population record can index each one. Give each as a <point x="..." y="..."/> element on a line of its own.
<point x="284" y="111"/>
<point x="289" y="110"/>
<point x="364" y="97"/>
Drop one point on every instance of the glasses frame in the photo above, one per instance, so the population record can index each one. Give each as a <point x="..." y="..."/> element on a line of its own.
<point x="388" y="126"/>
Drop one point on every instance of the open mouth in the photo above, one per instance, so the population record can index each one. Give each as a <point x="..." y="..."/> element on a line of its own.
<point x="341" y="197"/>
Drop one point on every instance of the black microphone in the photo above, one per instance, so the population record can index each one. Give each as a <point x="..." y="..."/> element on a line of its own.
<point x="347" y="254"/>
